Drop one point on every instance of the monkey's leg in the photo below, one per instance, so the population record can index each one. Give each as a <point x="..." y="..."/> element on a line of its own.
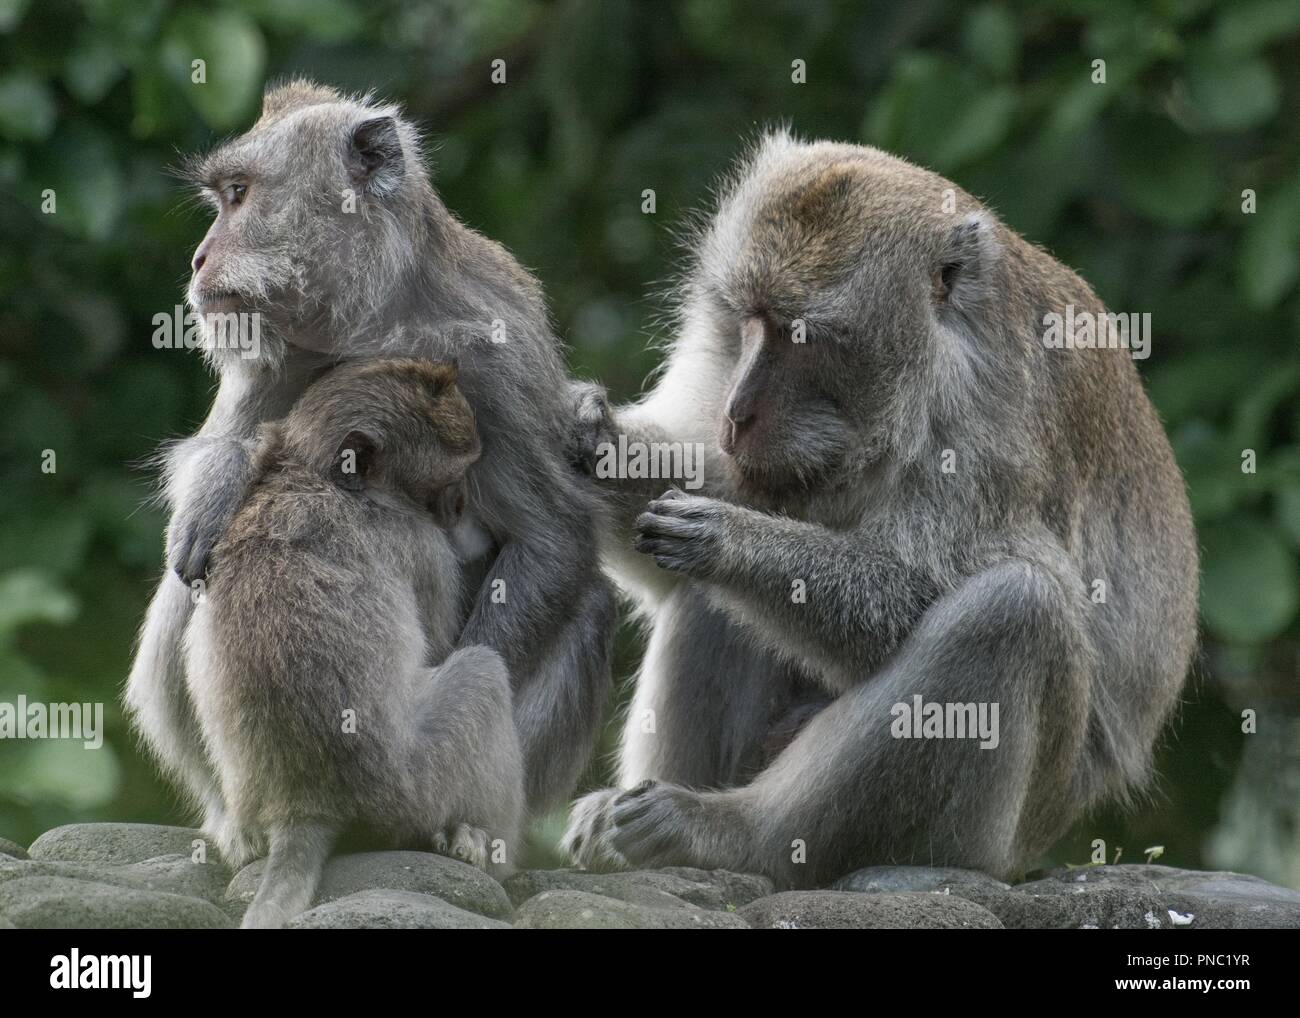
<point x="705" y="704"/>
<point x="468" y="764"/>
<point x="159" y="703"/>
<point x="559" y="707"/>
<point x="299" y="849"/>
<point x="850" y="791"/>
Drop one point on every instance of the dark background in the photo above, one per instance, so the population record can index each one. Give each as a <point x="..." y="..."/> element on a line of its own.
<point x="1137" y="183"/>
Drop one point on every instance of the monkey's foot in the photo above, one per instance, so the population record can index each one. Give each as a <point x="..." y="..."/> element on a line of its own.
<point x="586" y="840"/>
<point x="237" y="845"/>
<point x="654" y="824"/>
<point x="463" y="842"/>
<point x="657" y="824"/>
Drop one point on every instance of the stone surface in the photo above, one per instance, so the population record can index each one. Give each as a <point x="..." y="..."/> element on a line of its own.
<point x="969" y="884"/>
<point x="46" y="902"/>
<point x="1212" y="900"/>
<point x="139" y="875"/>
<point x="881" y="910"/>
<point x="675" y="887"/>
<point x="173" y="874"/>
<point x="113" y="843"/>
<point x="455" y="882"/>
<point x="392" y="910"/>
<point x="581" y="910"/>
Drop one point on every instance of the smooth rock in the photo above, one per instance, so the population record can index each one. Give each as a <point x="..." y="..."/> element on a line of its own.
<point x="113" y="843"/>
<point x="1212" y="899"/>
<point x="68" y="904"/>
<point x="12" y="849"/>
<point x="674" y="887"/>
<point x="172" y="874"/>
<point x="453" y="881"/>
<point x="970" y="884"/>
<point x="392" y="910"/>
<point x="580" y="910"/>
<point x="853" y="910"/>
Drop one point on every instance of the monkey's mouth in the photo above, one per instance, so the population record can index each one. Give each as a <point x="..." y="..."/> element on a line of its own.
<point x="219" y="301"/>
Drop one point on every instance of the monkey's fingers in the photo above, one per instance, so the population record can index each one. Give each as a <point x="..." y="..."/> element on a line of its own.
<point x="653" y="524"/>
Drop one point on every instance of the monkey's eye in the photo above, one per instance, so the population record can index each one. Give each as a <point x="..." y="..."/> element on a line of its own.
<point x="234" y="193"/>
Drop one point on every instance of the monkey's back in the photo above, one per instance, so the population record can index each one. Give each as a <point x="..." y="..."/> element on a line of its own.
<point x="309" y="647"/>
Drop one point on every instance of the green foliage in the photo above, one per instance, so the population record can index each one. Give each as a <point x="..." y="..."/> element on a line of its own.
<point x="1138" y="182"/>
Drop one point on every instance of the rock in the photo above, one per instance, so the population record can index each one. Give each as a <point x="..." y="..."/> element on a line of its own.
<point x="173" y="874"/>
<point x="392" y="910"/>
<point x="5" y="924"/>
<point x="113" y="843"/>
<point x="970" y="884"/>
<point x="853" y="910"/>
<point x="675" y="887"/>
<point x="581" y="910"/>
<point x="453" y="881"/>
<point x="44" y="902"/>
<point x="1214" y="900"/>
<point x="12" y="849"/>
<point x="1096" y="908"/>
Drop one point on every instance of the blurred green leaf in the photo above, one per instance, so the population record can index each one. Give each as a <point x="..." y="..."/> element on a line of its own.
<point x="27" y="109"/>
<point x="1246" y="25"/>
<point x="992" y="39"/>
<point x="1164" y="173"/>
<point x="1248" y="581"/>
<point x="1231" y="93"/>
<point x="29" y="595"/>
<point x="234" y="55"/>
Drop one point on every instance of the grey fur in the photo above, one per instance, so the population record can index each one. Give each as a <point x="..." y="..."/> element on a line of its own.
<point x="924" y="335"/>
<point x="399" y="276"/>
<point x="334" y="598"/>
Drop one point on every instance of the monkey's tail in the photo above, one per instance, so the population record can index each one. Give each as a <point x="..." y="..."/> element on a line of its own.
<point x="299" y="849"/>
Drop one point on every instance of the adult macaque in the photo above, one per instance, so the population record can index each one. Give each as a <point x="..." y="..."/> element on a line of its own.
<point x="328" y="229"/>
<point x="909" y="495"/>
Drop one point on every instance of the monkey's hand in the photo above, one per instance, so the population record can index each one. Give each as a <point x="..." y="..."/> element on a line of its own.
<point x="593" y="425"/>
<point x="194" y="530"/>
<point x="685" y="533"/>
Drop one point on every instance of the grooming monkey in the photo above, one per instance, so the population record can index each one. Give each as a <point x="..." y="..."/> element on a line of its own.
<point x="908" y="494"/>
<point x="328" y="229"/>
<point x="318" y="662"/>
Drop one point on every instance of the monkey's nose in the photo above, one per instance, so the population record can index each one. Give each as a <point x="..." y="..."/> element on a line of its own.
<point x="200" y="257"/>
<point x="736" y="425"/>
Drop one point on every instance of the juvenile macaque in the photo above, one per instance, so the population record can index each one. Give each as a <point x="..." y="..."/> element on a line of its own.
<point x="321" y="663"/>
<point x="909" y="494"/>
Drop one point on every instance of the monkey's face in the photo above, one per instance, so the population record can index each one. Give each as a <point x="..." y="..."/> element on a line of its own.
<point x="312" y="229"/>
<point x="836" y="285"/>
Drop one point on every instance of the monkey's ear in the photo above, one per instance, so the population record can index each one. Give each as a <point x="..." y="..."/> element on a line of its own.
<point x="967" y="261"/>
<point x="375" y="160"/>
<point x="445" y="374"/>
<point x="353" y="461"/>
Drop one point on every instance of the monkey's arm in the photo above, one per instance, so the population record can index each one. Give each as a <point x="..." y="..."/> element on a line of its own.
<point x="207" y="475"/>
<point x="843" y="599"/>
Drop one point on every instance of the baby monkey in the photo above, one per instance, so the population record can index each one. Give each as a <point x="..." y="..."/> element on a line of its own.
<point x="318" y="660"/>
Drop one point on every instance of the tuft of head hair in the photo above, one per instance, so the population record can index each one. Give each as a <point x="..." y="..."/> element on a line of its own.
<point x="293" y="94"/>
